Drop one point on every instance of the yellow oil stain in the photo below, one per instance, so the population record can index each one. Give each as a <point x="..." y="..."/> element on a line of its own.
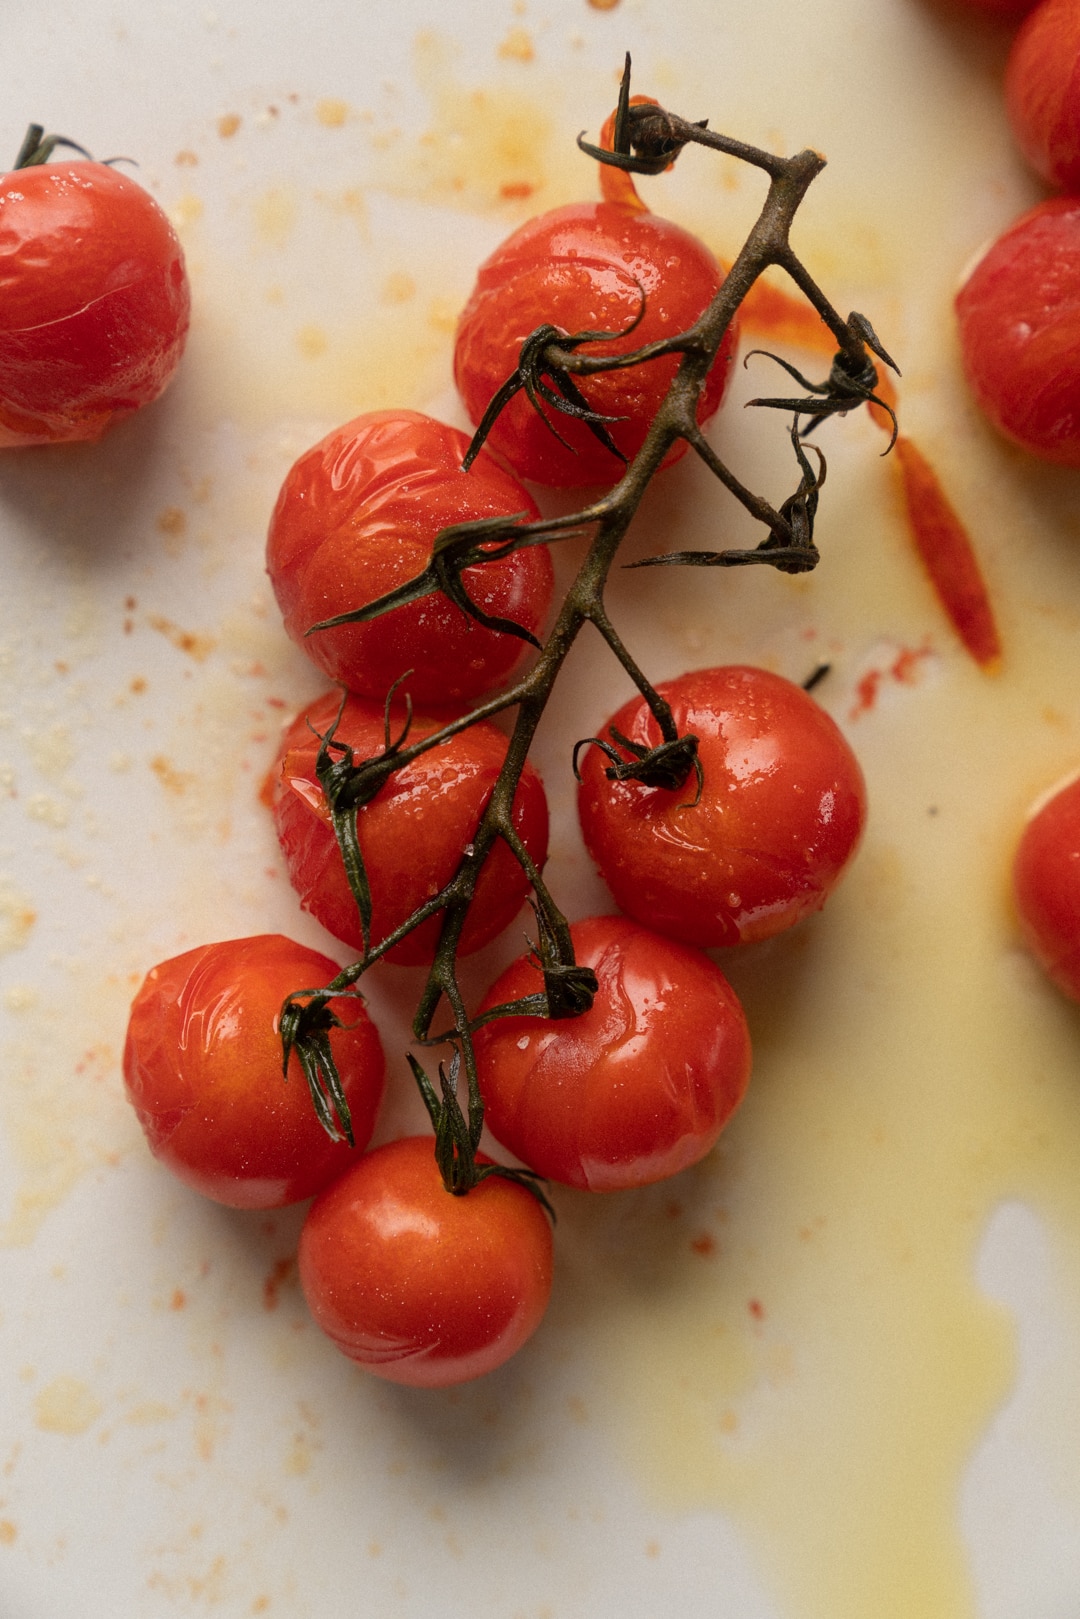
<point x="17" y="917"/>
<point x="198" y="647"/>
<point x="312" y="342"/>
<point x="185" y="212"/>
<point x="331" y="112"/>
<point x="173" y="780"/>
<point x="8" y="1532"/>
<point x="275" y="213"/>
<point x="228" y="125"/>
<point x="66" y="1406"/>
<point x="517" y="46"/>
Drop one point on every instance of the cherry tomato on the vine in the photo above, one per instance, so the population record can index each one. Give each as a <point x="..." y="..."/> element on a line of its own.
<point x="586" y="267"/>
<point x="411" y="835"/>
<point x="635" y="1089"/>
<point x="202" y="1067"/>
<point x="780" y="812"/>
<point x="1042" y="92"/>
<point x="420" y="1286"/>
<point x="1019" y="317"/>
<point x="1046" y="884"/>
<point x="356" y="518"/>
<point x="94" y="301"/>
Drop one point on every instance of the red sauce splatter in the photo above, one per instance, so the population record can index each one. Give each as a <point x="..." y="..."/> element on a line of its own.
<point x="704" y="1245"/>
<point x="281" y="1272"/>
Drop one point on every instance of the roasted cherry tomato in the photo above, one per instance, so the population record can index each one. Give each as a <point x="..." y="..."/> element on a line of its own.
<point x="412" y="834"/>
<point x="635" y="1089"/>
<point x="94" y="301"/>
<point x="587" y="267"/>
<point x="202" y="1066"/>
<point x="1046" y="883"/>
<point x="1019" y="314"/>
<point x="1042" y="92"/>
<point x="356" y="518"/>
<point x="780" y="811"/>
<point x="418" y="1285"/>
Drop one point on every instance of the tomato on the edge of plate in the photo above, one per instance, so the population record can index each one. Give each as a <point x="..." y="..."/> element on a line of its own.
<point x="94" y="301"/>
<point x="632" y="1091"/>
<point x="411" y="834"/>
<point x="1042" y="92"/>
<point x="356" y="519"/>
<point x="1046" y="885"/>
<point x="202" y="1068"/>
<point x="418" y="1285"/>
<point x="586" y="267"/>
<point x="779" y="816"/>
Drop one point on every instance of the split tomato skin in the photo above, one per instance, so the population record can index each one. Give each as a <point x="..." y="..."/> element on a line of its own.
<point x="356" y="518"/>
<point x="586" y="267"/>
<point x="1019" y="321"/>
<point x="1046" y="886"/>
<point x="202" y="1068"/>
<point x="94" y="302"/>
<point x="412" y="834"/>
<point x="780" y="815"/>
<point x="420" y="1286"/>
<point x="1042" y="92"/>
<point x="634" y="1090"/>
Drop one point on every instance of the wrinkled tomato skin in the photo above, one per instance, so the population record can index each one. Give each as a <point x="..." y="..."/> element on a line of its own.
<point x="412" y="834"/>
<point x="418" y="1286"/>
<point x="584" y="268"/>
<point x="1042" y="92"/>
<point x="356" y="518"/>
<point x="780" y="815"/>
<point x="636" y="1089"/>
<point x="1046" y="885"/>
<point x="94" y="302"/>
<point x="202" y="1068"/>
<point x="1019" y="318"/>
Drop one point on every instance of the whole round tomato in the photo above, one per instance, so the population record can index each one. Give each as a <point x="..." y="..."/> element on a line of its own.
<point x="412" y="834"/>
<point x="585" y="267"/>
<point x="780" y="813"/>
<point x="1046" y="884"/>
<point x="1042" y="92"/>
<point x="1019" y="316"/>
<point x="94" y="301"/>
<point x="356" y="518"/>
<point x="202" y="1067"/>
<point x="418" y="1285"/>
<point x="635" y="1089"/>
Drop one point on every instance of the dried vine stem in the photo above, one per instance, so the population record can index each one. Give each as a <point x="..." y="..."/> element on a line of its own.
<point x="647" y="139"/>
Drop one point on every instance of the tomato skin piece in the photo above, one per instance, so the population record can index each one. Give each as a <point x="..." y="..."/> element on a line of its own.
<point x="1046" y="886"/>
<point x="417" y="1285"/>
<point x="636" y="1089"/>
<point x="584" y="268"/>
<point x="94" y="302"/>
<point x="356" y="518"/>
<point x="412" y="834"/>
<point x="202" y="1069"/>
<point x="1019" y="316"/>
<point x="1042" y="92"/>
<point x="780" y="814"/>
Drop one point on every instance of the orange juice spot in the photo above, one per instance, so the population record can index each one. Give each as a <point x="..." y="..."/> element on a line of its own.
<point x="513" y="190"/>
<point x="517" y="46"/>
<point x="8" y="1532"/>
<point x="757" y="1309"/>
<point x="703" y="1245"/>
<point x="185" y="159"/>
<point x="172" y="520"/>
<point x="178" y="1299"/>
<point x="281" y="1272"/>
<point x="603" y="5"/>
<point x="228" y="125"/>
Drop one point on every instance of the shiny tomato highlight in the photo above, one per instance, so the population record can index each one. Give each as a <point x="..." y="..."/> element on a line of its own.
<point x="420" y="1286"/>
<point x="202" y="1068"/>
<point x="1046" y="885"/>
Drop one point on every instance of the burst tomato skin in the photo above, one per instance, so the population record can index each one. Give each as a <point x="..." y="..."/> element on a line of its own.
<point x="1019" y="319"/>
<point x="584" y="268"/>
<point x="419" y="1286"/>
<point x="412" y="834"/>
<point x="94" y="302"/>
<point x="202" y="1068"/>
<point x="356" y="518"/>
<point x="780" y="814"/>
<point x="1046" y="886"/>
<point x="1042" y="92"/>
<point x="636" y="1089"/>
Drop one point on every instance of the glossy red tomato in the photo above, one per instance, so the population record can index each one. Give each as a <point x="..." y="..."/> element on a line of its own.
<point x="1046" y="883"/>
<point x="94" y="301"/>
<point x="356" y="518"/>
<point x="780" y="813"/>
<point x="637" y="1088"/>
<point x="412" y="834"/>
<point x="585" y="268"/>
<point x="202" y="1067"/>
<point x="418" y="1285"/>
<point x="1042" y="92"/>
<point x="1019" y="315"/>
